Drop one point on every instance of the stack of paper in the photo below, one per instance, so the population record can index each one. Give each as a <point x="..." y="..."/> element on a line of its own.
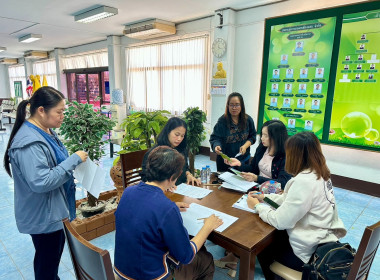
<point x="191" y="191"/>
<point x="236" y="182"/>
<point x="91" y="176"/>
<point x="193" y="218"/>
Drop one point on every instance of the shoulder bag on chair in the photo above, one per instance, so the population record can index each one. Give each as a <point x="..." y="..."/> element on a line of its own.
<point x="331" y="261"/>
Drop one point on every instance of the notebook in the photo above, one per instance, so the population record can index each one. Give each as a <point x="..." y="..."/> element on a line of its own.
<point x="243" y="205"/>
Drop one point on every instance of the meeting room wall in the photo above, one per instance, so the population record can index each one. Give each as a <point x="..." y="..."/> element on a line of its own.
<point x="249" y="40"/>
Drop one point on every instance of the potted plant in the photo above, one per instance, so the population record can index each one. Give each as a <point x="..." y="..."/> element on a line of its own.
<point x="141" y="131"/>
<point x="194" y="117"/>
<point x="83" y="128"/>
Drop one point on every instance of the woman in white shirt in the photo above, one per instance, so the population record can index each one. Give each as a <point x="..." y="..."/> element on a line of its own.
<point x="307" y="209"/>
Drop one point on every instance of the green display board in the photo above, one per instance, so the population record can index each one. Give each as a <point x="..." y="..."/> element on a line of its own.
<point x="320" y="74"/>
<point x="299" y="60"/>
<point x="355" y="115"/>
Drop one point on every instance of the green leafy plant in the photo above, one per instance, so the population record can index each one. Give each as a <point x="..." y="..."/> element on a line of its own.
<point x="141" y="130"/>
<point x="83" y="128"/>
<point x="194" y="117"/>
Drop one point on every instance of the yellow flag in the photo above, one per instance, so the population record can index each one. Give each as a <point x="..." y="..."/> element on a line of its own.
<point x="44" y="82"/>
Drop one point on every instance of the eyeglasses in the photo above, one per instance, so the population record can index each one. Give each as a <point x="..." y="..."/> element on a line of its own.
<point x="234" y="105"/>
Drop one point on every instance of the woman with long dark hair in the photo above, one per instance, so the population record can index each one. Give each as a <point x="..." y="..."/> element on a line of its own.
<point x="268" y="162"/>
<point x="308" y="214"/>
<point x="174" y="135"/>
<point x="42" y="172"/>
<point x="234" y="132"/>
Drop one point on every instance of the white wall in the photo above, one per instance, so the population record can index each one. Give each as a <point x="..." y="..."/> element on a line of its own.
<point x="5" y="90"/>
<point x="249" y="41"/>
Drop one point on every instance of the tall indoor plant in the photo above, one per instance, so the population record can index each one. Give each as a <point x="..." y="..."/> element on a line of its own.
<point x="194" y="117"/>
<point x="83" y="128"/>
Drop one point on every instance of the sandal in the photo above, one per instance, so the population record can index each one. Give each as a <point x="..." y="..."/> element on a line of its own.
<point x="222" y="264"/>
<point x="232" y="273"/>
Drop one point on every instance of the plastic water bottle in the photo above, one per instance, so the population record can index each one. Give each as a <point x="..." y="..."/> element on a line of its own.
<point x="208" y="173"/>
<point x="271" y="187"/>
<point x="203" y="175"/>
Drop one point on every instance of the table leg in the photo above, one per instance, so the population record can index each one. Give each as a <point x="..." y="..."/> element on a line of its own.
<point x="111" y="150"/>
<point x="247" y="266"/>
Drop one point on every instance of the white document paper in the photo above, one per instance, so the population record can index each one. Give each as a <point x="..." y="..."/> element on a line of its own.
<point x="243" y="205"/>
<point x="191" y="191"/>
<point x="91" y="176"/>
<point x="236" y="182"/>
<point x="195" y="211"/>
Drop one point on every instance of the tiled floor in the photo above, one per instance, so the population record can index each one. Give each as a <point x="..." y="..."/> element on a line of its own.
<point x="17" y="251"/>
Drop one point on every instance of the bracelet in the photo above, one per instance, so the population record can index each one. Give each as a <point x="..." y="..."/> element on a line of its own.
<point x="254" y="208"/>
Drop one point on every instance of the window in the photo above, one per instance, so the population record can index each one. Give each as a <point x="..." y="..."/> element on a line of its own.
<point x="48" y="69"/>
<point x="168" y="76"/>
<point x="17" y="73"/>
<point x="86" y="60"/>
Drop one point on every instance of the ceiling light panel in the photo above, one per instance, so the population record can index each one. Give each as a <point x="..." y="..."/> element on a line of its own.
<point x="96" y="14"/>
<point x="30" y="38"/>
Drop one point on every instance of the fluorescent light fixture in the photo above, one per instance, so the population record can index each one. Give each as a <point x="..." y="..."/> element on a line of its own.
<point x="30" y="38"/>
<point x="96" y="14"/>
<point x="2" y="49"/>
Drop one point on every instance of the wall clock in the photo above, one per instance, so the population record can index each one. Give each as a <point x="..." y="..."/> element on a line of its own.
<point x="219" y="47"/>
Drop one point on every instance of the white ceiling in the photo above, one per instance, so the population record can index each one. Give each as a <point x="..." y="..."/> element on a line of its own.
<point x="54" y="19"/>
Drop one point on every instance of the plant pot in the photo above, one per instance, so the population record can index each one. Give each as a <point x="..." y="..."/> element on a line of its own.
<point x="116" y="174"/>
<point x="88" y="211"/>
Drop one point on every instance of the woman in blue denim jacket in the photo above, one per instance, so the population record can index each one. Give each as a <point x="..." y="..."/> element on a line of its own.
<point x="42" y="173"/>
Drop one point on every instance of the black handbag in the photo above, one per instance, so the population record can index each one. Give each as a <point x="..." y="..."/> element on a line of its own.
<point x="331" y="261"/>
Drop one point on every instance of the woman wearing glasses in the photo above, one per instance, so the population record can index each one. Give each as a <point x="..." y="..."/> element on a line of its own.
<point x="234" y="132"/>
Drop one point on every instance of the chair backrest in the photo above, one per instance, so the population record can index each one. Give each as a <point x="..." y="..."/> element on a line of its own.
<point x="89" y="261"/>
<point x="131" y="167"/>
<point x="366" y="253"/>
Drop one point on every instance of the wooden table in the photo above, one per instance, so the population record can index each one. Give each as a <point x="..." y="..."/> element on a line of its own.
<point x="246" y="238"/>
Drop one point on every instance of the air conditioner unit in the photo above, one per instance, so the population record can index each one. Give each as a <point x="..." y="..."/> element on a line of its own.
<point x="8" y="61"/>
<point x="35" y="54"/>
<point x="150" y="29"/>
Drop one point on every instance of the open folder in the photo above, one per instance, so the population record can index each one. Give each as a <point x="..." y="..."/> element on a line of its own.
<point x="236" y="182"/>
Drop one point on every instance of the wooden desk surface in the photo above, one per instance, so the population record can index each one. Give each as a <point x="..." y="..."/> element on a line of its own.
<point x="247" y="237"/>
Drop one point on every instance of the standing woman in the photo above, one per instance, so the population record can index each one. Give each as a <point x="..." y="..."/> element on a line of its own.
<point x="174" y="135"/>
<point x="269" y="160"/>
<point x="234" y="132"/>
<point x="307" y="209"/>
<point x="42" y="172"/>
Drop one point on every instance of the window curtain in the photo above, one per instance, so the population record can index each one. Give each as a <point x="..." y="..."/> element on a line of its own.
<point x="86" y="60"/>
<point x="17" y="73"/>
<point x="168" y="76"/>
<point x="47" y="68"/>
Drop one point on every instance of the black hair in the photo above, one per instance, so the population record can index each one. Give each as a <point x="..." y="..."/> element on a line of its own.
<point x="242" y="116"/>
<point x="164" y="163"/>
<point x="163" y="137"/>
<point x="277" y="135"/>
<point x="46" y="97"/>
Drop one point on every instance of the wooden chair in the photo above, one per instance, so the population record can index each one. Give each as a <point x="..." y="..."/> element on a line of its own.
<point x="131" y="167"/>
<point x="362" y="261"/>
<point x="89" y="261"/>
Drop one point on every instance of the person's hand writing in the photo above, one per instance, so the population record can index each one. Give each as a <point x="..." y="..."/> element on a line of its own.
<point x="249" y="176"/>
<point x="252" y="201"/>
<point x="259" y="196"/>
<point x="232" y="162"/>
<point x="212" y="222"/>
<point x="182" y="206"/>
<point x="83" y="155"/>
<point x="218" y="150"/>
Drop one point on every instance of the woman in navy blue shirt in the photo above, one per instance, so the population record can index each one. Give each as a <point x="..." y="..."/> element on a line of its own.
<point x="151" y="241"/>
